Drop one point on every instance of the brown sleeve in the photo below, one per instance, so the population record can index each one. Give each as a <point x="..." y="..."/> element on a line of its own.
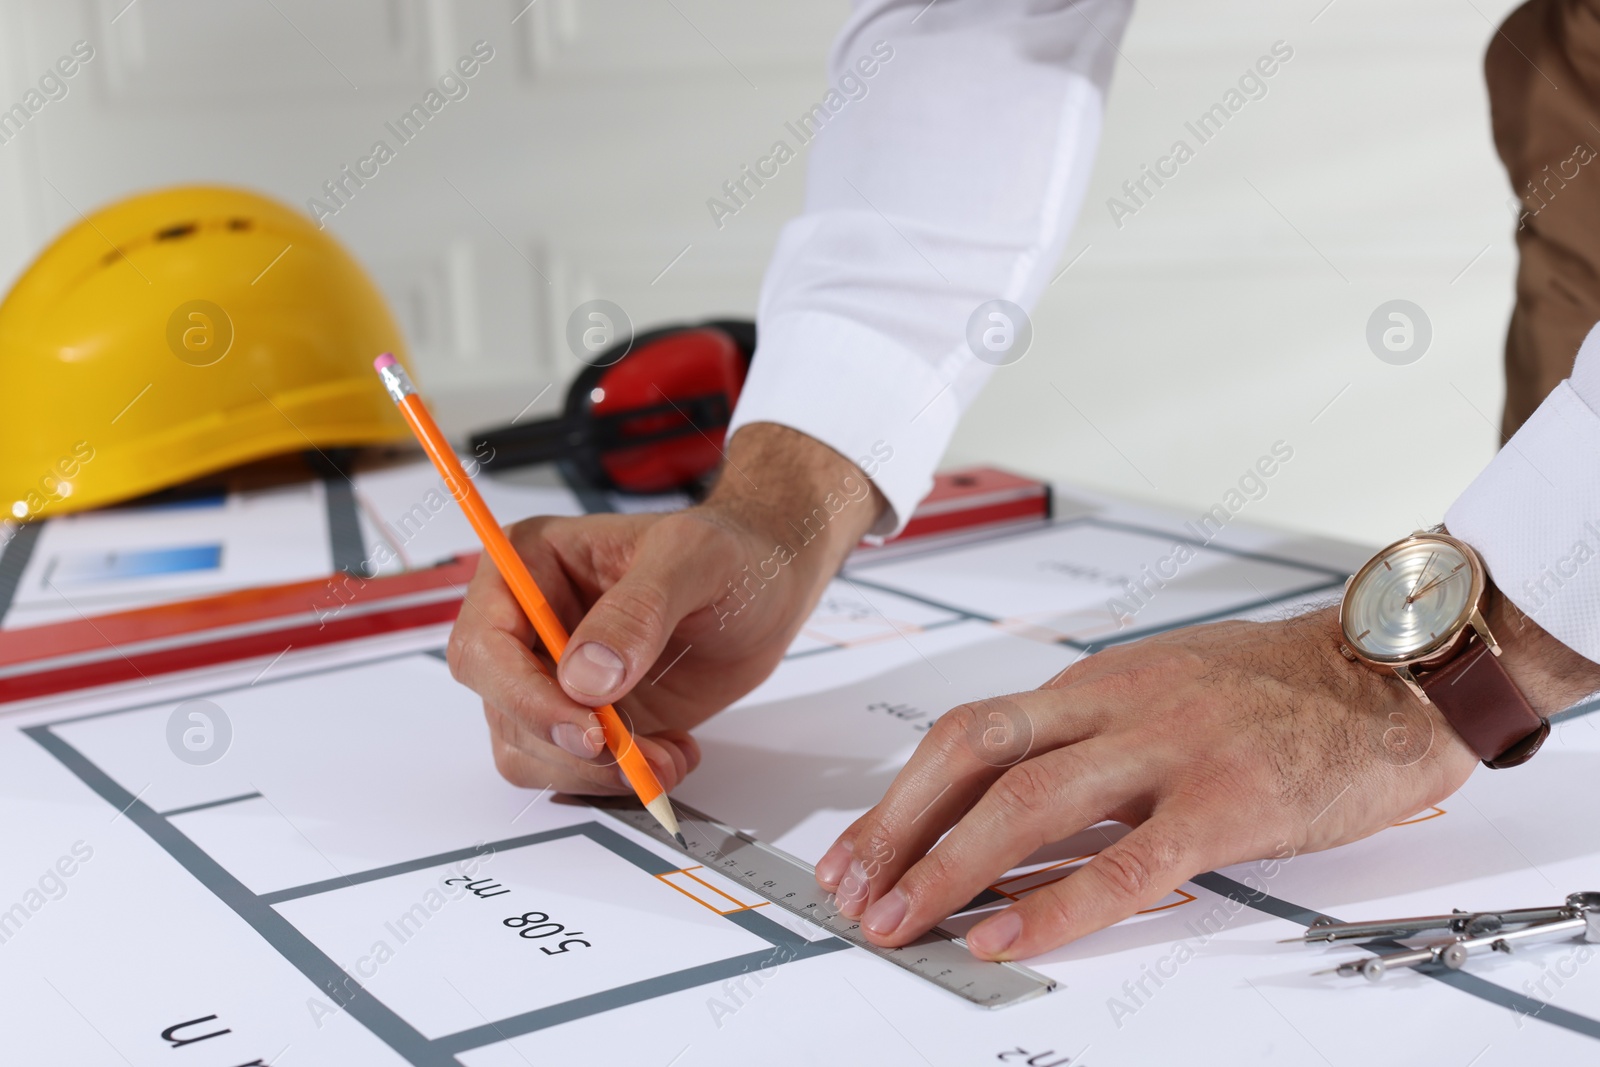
<point x="1543" y="75"/>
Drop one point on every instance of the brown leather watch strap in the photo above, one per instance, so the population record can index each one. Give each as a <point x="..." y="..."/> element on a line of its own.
<point x="1485" y="706"/>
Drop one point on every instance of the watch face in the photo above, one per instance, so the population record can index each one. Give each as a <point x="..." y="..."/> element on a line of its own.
<point x="1402" y="603"/>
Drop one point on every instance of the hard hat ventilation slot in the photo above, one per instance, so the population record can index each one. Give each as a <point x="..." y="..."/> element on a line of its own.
<point x="239" y="224"/>
<point x="172" y="233"/>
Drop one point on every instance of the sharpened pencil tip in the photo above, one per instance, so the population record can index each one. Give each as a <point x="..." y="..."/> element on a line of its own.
<point x="661" y="808"/>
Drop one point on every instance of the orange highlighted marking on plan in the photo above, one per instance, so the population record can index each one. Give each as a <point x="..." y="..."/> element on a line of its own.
<point x="701" y="892"/>
<point x="1423" y="816"/>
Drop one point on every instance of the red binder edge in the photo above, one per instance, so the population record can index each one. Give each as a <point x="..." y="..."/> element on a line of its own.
<point x="265" y="621"/>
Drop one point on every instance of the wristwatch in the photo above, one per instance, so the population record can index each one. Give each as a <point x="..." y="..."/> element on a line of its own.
<point x="1416" y="609"/>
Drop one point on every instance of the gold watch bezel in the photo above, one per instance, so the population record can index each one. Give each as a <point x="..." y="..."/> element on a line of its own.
<point x="1440" y="649"/>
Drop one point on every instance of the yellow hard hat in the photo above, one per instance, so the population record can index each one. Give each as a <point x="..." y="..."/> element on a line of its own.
<point x="177" y="333"/>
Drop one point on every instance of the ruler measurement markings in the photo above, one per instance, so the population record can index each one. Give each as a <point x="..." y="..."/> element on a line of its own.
<point x="938" y="956"/>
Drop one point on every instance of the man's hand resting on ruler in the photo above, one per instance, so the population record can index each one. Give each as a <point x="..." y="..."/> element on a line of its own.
<point x="666" y="622"/>
<point x="1217" y="744"/>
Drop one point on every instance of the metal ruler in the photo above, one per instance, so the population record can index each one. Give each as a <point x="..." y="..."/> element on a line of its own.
<point x="938" y="956"/>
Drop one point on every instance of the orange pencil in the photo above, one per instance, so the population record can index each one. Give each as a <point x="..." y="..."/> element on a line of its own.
<point x="515" y="572"/>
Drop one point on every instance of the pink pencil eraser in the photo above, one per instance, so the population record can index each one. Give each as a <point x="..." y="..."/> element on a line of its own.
<point x="385" y="360"/>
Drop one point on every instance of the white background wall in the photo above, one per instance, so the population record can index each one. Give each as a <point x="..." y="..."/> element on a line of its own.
<point x="1224" y="316"/>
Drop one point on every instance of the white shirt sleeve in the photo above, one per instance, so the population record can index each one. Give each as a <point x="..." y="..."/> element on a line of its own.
<point x="946" y="177"/>
<point x="1534" y="512"/>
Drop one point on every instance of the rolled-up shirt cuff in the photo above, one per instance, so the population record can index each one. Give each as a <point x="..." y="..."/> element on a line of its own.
<point x="1534" y="516"/>
<point x="855" y="390"/>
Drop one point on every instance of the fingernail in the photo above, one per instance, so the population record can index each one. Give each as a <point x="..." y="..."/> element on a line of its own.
<point x="852" y="894"/>
<point x="573" y="739"/>
<point x="592" y="669"/>
<point x="886" y="913"/>
<point x="831" y="867"/>
<point x="993" y="936"/>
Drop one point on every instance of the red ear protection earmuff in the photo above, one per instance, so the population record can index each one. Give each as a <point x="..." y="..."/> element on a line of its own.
<point x="648" y="420"/>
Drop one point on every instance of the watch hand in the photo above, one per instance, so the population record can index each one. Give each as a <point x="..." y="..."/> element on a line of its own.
<point x="1436" y="581"/>
<point x="1423" y="573"/>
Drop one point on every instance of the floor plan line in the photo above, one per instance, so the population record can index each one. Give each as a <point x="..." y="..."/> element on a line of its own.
<point x="964" y="613"/>
<point x="1229" y="550"/>
<point x="328" y="885"/>
<point x="204" y="804"/>
<point x="646" y="989"/>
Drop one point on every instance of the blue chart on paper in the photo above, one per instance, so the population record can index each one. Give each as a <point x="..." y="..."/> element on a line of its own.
<point x="83" y="568"/>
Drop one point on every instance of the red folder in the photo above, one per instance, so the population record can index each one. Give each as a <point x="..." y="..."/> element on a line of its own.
<point x="974" y="498"/>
